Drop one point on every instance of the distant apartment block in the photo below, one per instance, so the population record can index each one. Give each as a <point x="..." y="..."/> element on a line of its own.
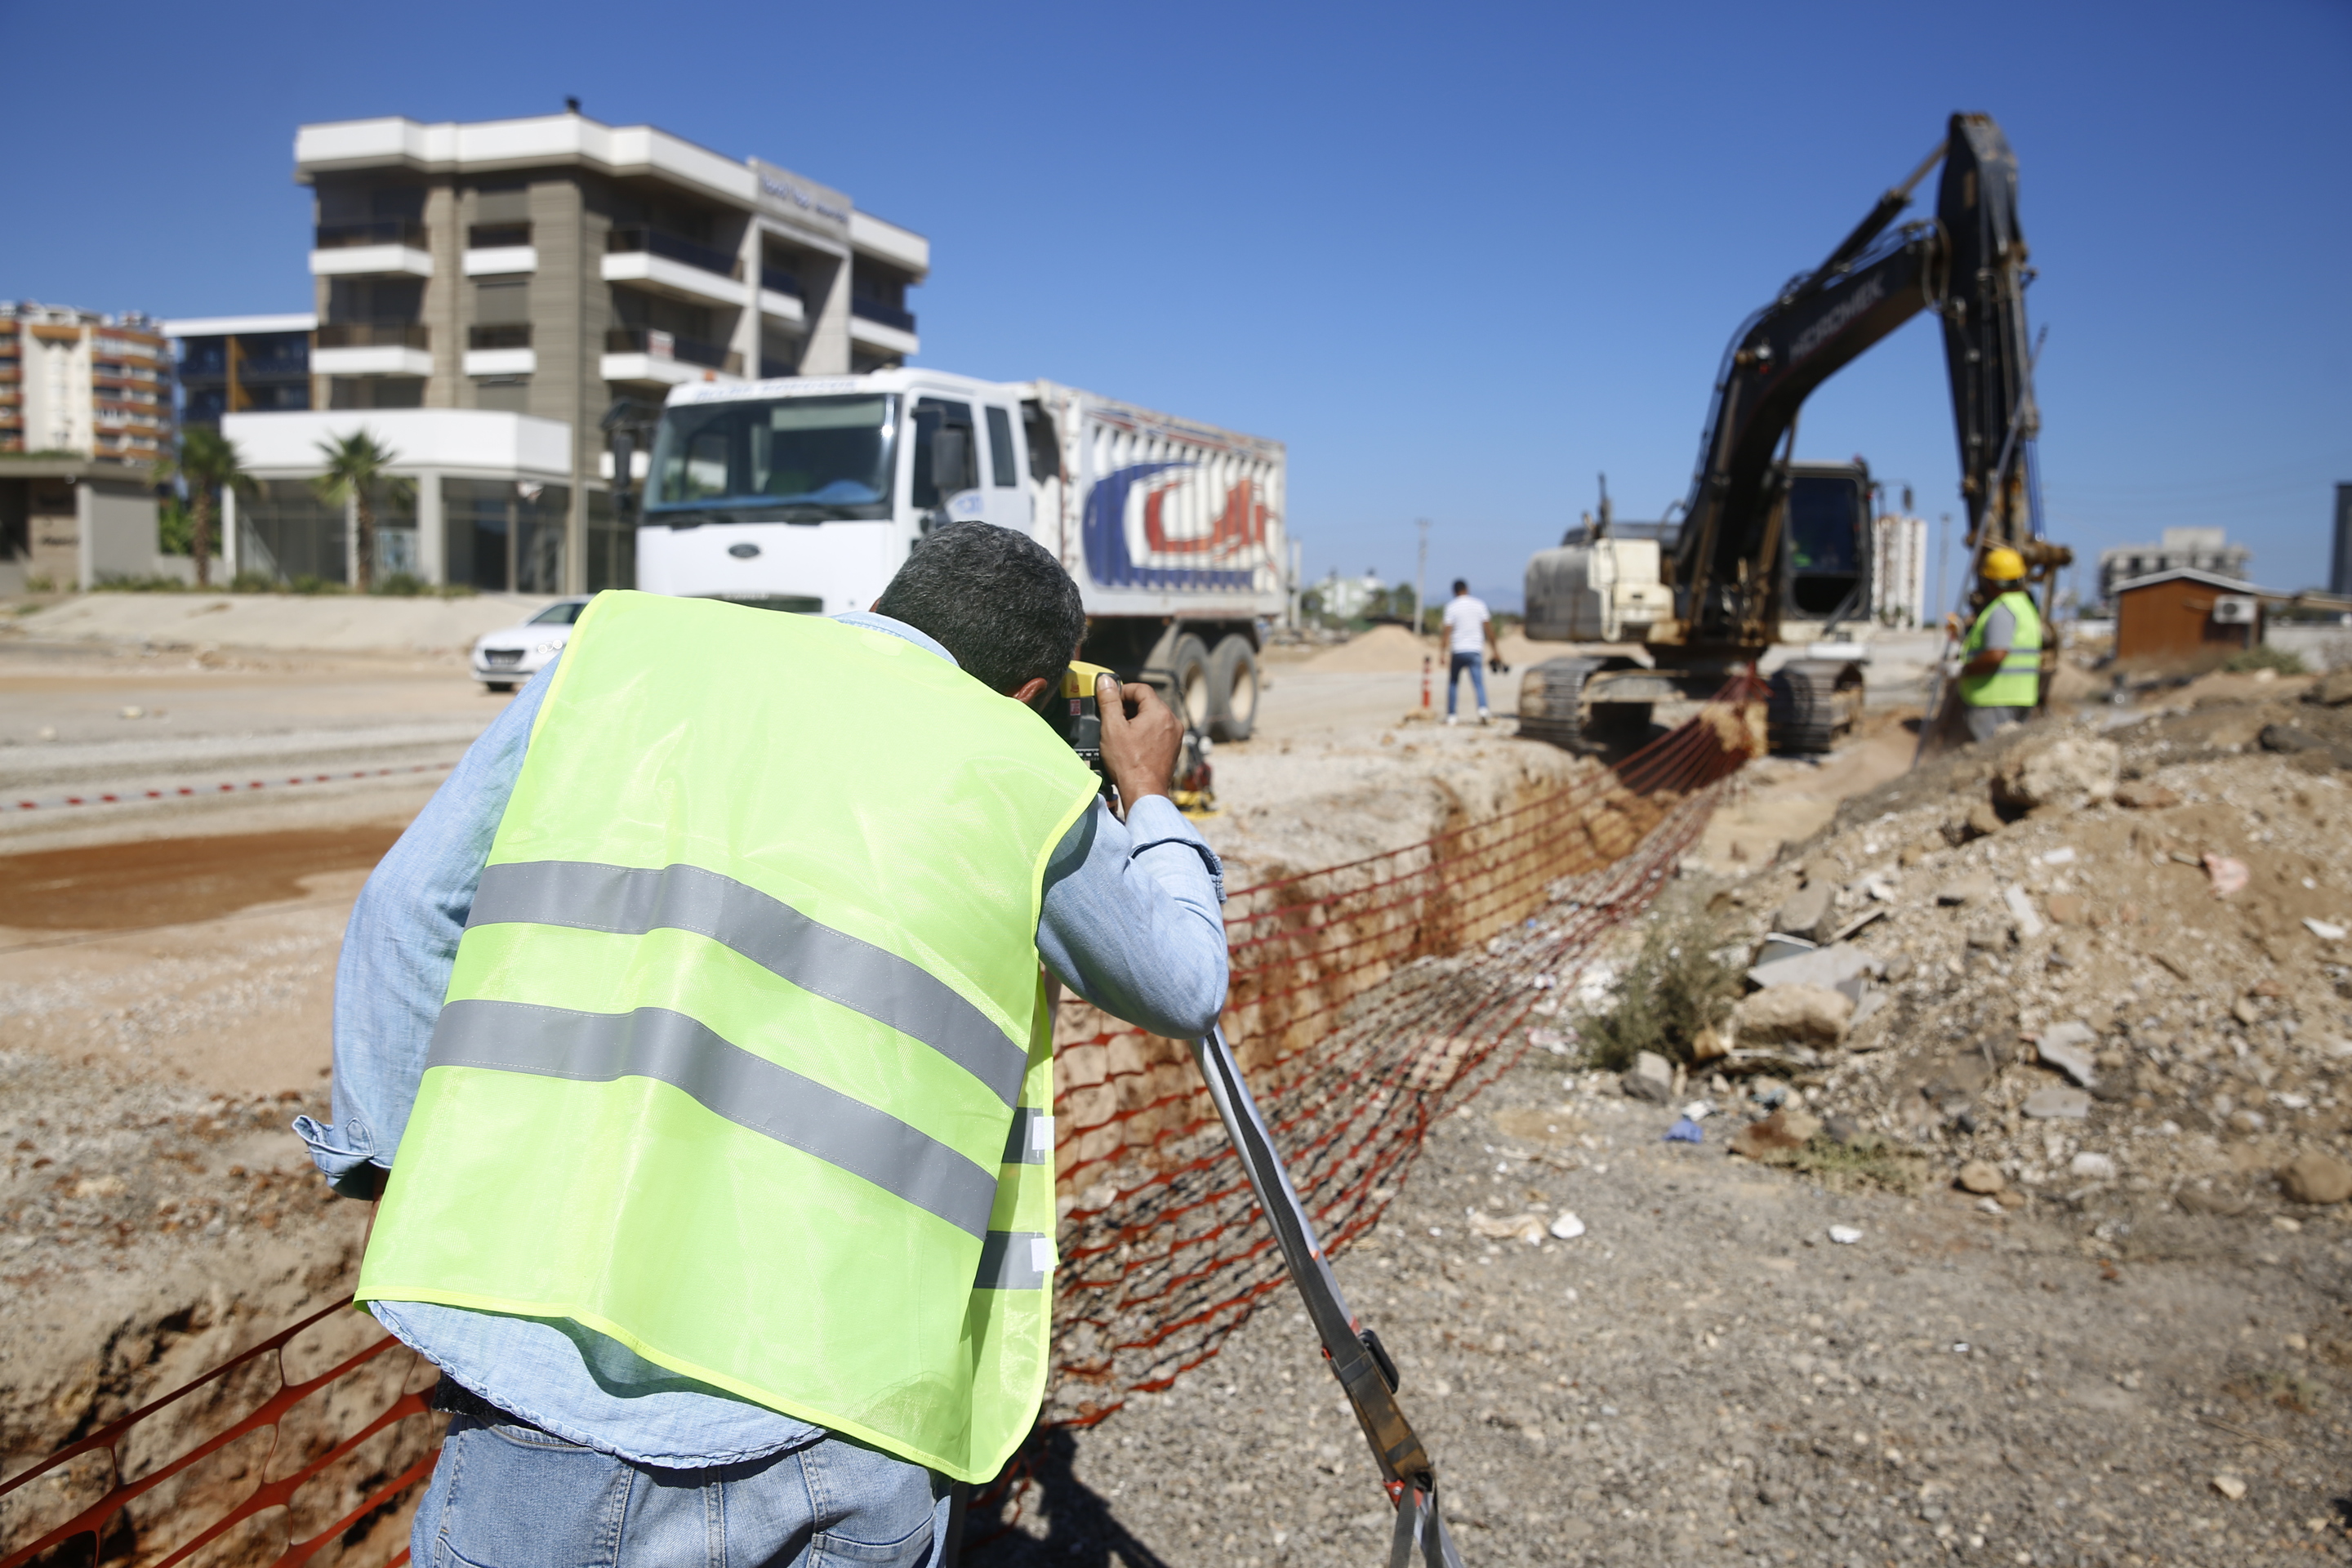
<point x="2183" y="549"/>
<point x="242" y="365"/>
<point x="73" y="382"/>
<point x="546" y="268"/>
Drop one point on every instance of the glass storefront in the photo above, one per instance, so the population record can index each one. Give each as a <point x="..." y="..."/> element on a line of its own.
<point x="286" y="531"/>
<point x="612" y="549"/>
<point x="500" y="535"/>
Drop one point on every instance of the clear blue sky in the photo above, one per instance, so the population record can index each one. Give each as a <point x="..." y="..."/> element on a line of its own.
<point x="1461" y="259"/>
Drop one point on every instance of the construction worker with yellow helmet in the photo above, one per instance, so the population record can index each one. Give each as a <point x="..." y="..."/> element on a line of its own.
<point x="2001" y="670"/>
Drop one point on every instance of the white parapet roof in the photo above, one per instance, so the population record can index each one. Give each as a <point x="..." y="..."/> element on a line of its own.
<point x="227" y="326"/>
<point x="456" y="440"/>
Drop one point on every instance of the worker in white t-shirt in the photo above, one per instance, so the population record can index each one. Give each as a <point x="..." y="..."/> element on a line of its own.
<point x="1470" y="634"/>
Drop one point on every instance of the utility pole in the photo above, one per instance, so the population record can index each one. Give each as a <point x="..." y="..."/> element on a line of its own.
<point x="1421" y="576"/>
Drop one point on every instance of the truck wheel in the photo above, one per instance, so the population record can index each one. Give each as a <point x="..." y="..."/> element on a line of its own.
<point x="1188" y="662"/>
<point x="1232" y="689"/>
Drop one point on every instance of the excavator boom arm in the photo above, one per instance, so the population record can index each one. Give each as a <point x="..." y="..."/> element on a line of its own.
<point x="1969" y="266"/>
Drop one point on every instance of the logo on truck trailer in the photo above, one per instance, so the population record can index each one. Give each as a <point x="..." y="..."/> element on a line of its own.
<point x="1162" y="525"/>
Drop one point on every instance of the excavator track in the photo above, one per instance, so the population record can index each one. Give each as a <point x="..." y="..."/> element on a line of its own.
<point x="1812" y="702"/>
<point x="1552" y="702"/>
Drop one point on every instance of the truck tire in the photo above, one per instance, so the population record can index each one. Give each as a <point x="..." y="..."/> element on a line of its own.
<point x="1188" y="665"/>
<point x="1232" y="689"/>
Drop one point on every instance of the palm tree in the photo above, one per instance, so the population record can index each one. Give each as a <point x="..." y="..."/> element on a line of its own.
<point x="355" y="465"/>
<point x="209" y="462"/>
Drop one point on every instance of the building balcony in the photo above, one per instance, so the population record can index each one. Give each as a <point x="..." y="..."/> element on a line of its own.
<point x="493" y="261"/>
<point x="782" y="280"/>
<point x="882" y="328"/>
<point x="372" y="348"/>
<point x="654" y="259"/>
<point x="783" y="307"/>
<point x="500" y="349"/>
<point x="384" y="246"/>
<point x="882" y="315"/>
<point x="639" y="353"/>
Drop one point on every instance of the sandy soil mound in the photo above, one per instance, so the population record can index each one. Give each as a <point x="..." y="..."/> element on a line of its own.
<point x="338" y="621"/>
<point x="1384" y="650"/>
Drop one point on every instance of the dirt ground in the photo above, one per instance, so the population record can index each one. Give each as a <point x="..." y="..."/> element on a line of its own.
<point x="1703" y="1374"/>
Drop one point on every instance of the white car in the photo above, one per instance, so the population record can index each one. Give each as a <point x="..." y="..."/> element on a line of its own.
<point x="504" y="660"/>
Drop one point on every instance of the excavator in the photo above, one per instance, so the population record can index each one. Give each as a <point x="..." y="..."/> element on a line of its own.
<point x="1771" y="553"/>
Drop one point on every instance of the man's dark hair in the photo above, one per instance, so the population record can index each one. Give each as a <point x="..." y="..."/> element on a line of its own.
<point x="1460" y="586"/>
<point x="994" y="598"/>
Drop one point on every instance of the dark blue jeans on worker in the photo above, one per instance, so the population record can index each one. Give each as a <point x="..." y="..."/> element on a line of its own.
<point x="506" y="1495"/>
<point x="1475" y="663"/>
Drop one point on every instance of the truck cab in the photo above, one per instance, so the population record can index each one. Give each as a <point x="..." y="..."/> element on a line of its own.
<point x="805" y="494"/>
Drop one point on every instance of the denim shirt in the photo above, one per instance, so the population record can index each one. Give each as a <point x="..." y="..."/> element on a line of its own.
<point x="1129" y="921"/>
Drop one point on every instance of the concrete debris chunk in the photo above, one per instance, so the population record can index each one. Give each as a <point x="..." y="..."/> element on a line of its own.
<point x="2055" y="1104"/>
<point x="1651" y="1079"/>
<point x="1844" y="1234"/>
<point x="2326" y="931"/>
<point x="2061" y="856"/>
<point x="2144" y="795"/>
<point x="2315" y="1178"/>
<point x="2067" y="1047"/>
<point x="2228" y="873"/>
<point x="1525" y="1228"/>
<point x="1981" y="1177"/>
<point x="1786" y="1128"/>
<point x="2094" y="1167"/>
<point x="2332" y="689"/>
<point x="2287" y="739"/>
<point x="1566" y="1227"/>
<point x="1831" y="966"/>
<point x="1811" y="913"/>
<point x="2229" y="1487"/>
<point x="2067" y="771"/>
<point x="1963" y="890"/>
<point x="1793" y="1015"/>
<point x="2021" y="911"/>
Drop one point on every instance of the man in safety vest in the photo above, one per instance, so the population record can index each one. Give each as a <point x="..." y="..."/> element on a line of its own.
<point x="2001" y="670"/>
<point x="702" y="1010"/>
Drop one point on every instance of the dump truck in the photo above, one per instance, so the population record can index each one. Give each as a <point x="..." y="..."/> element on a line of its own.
<point x="805" y="494"/>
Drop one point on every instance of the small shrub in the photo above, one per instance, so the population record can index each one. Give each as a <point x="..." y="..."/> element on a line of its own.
<point x="309" y="583"/>
<point x="456" y="590"/>
<point x="175" y="529"/>
<point x="402" y="585"/>
<point x="251" y="582"/>
<point x="1674" y="987"/>
<point x="1868" y="1161"/>
<point x="2286" y="661"/>
<point x="40" y="583"/>
<point x="123" y="583"/>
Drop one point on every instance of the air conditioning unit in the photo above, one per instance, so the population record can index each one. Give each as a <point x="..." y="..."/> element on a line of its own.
<point x="2235" y="610"/>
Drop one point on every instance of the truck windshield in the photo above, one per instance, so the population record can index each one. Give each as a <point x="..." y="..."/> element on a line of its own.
<point x="806" y="458"/>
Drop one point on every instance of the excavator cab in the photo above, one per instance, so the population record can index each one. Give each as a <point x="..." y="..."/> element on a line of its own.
<point x="1827" y="547"/>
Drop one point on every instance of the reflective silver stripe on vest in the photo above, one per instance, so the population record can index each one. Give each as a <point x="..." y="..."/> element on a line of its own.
<point x="725" y="1080"/>
<point x="1031" y="1141"/>
<point x="632" y="901"/>
<point x="1008" y="1261"/>
<point x="2022" y="661"/>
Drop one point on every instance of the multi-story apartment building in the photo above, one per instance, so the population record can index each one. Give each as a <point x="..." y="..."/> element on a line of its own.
<point x="549" y="267"/>
<point x="242" y="365"/>
<point x="74" y="381"/>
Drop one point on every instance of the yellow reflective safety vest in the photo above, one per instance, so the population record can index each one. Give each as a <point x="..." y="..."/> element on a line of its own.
<point x="2018" y="682"/>
<point x="746" y="1061"/>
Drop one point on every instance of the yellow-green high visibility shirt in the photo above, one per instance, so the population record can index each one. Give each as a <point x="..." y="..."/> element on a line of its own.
<point x="745" y="1061"/>
<point x="2018" y="682"/>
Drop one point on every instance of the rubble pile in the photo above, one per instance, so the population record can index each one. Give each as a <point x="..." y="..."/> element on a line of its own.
<point x="2093" y="970"/>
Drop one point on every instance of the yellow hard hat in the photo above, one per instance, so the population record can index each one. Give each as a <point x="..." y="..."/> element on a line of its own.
<point x="2003" y="565"/>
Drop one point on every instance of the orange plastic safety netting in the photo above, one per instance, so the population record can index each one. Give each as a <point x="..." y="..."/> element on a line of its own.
<point x="1366" y="999"/>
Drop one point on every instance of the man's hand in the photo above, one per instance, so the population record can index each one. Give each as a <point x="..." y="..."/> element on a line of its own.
<point x="1140" y="739"/>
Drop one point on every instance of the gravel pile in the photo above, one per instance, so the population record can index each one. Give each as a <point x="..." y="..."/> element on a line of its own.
<point x="2137" y="994"/>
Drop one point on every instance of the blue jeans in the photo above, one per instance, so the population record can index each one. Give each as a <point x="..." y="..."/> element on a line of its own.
<point x="1475" y="663"/>
<point x="510" y="1496"/>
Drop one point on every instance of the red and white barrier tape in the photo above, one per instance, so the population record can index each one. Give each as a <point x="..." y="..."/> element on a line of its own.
<point x="192" y="792"/>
